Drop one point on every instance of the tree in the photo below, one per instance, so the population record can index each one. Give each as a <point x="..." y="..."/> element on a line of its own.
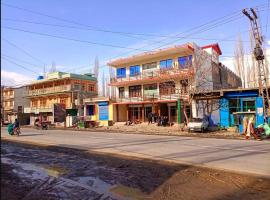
<point x="239" y="60"/>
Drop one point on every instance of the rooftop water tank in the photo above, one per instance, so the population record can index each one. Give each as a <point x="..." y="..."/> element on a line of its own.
<point x="40" y="77"/>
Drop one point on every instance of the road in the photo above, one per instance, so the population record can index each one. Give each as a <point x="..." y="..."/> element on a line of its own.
<point x="242" y="156"/>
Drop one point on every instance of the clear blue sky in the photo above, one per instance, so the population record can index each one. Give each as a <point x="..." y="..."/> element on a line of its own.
<point x="155" y="17"/>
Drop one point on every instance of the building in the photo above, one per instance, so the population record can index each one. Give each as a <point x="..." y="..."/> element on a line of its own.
<point x="14" y="103"/>
<point x="59" y="94"/>
<point x="99" y="111"/>
<point x="227" y="108"/>
<point x="154" y="81"/>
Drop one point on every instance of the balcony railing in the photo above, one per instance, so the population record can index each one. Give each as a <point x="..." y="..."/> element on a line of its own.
<point x="43" y="109"/>
<point x="154" y="75"/>
<point x="8" y="97"/>
<point x="152" y="97"/>
<point x="50" y="90"/>
<point x="8" y="107"/>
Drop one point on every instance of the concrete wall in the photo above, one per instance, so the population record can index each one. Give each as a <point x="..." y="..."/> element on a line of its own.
<point x="20" y="99"/>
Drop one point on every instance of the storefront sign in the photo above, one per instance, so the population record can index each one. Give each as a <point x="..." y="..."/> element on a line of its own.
<point x="103" y="111"/>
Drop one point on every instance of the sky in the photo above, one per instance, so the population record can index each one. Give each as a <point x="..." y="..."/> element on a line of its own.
<point x="72" y="33"/>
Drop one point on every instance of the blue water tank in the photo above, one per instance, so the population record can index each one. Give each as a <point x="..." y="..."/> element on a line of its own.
<point x="40" y="77"/>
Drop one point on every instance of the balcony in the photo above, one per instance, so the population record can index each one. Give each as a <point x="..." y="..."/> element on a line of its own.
<point x="152" y="96"/>
<point x="8" y="107"/>
<point x="48" y="108"/>
<point x="6" y="97"/>
<point x="154" y="76"/>
<point x="51" y="90"/>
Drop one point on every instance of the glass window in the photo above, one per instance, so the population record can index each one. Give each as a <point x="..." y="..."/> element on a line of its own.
<point x="121" y="92"/>
<point x="150" y="87"/>
<point x="185" y="61"/>
<point x="121" y="73"/>
<point x="166" y="64"/>
<point x="149" y="66"/>
<point x="134" y="70"/>
<point x="135" y="91"/>
<point x="91" y="110"/>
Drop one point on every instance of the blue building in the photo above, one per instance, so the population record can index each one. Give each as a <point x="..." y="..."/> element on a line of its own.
<point x="227" y="108"/>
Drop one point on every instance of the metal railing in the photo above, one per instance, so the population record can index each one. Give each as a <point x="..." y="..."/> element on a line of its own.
<point x="49" y="90"/>
<point x="153" y="97"/>
<point x="162" y="74"/>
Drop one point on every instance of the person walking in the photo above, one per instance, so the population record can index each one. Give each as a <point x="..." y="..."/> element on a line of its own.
<point x="150" y="116"/>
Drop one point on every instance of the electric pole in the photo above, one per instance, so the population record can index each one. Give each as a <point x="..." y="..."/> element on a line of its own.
<point x="258" y="54"/>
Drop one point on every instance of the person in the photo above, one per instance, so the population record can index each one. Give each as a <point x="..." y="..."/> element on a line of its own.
<point x="245" y="125"/>
<point x="16" y="125"/>
<point x="150" y="118"/>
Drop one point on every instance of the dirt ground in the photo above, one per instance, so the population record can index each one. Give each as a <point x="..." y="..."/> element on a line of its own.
<point x="35" y="172"/>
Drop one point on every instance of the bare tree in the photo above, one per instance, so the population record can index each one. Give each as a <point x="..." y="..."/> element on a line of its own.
<point x="103" y="89"/>
<point x="111" y="76"/>
<point x="239" y="60"/>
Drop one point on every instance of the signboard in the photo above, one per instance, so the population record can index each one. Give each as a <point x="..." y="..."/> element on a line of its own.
<point x="103" y="111"/>
<point x="59" y="112"/>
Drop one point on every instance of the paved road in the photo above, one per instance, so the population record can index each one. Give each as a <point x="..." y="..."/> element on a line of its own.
<point x="236" y="155"/>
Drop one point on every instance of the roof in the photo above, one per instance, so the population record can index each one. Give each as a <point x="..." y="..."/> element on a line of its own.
<point x="63" y="75"/>
<point x="214" y="46"/>
<point x="185" y="49"/>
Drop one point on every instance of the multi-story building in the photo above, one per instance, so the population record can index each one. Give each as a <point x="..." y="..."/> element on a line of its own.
<point x="154" y="81"/>
<point x="14" y="103"/>
<point x="58" y="95"/>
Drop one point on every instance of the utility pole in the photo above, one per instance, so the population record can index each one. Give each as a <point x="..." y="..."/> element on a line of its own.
<point x="258" y="54"/>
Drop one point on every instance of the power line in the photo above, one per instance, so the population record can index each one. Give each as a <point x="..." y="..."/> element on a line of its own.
<point x="24" y="51"/>
<point x="71" y="39"/>
<point x="19" y="65"/>
<point x="34" y="65"/>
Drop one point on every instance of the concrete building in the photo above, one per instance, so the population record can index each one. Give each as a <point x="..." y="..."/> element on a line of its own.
<point x="228" y="107"/>
<point x="154" y="81"/>
<point x="59" y="94"/>
<point x="99" y="111"/>
<point x="14" y="102"/>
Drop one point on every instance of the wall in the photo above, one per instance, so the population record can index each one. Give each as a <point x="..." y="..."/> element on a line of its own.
<point x="20" y="99"/>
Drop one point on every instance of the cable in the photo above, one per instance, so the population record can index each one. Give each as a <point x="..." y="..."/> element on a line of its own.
<point x="71" y="39"/>
<point x="8" y="60"/>
<point x="14" y="45"/>
<point x="34" y="65"/>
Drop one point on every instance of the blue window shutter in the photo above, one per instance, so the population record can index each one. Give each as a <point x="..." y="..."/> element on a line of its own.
<point x="118" y="72"/>
<point x="123" y="72"/>
<point x="259" y="111"/>
<point x="182" y="62"/>
<point x="162" y="64"/>
<point x="224" y="112"/>
<point x="132" y="70"/>
<point x="169" y="63"/>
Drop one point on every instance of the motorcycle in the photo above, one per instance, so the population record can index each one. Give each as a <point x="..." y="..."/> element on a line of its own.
<point x="42" y="126"/>
<point x="12" y="131"/>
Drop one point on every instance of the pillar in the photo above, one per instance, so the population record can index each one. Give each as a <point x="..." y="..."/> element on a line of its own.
<point x="178" y="111"/>
<point x="143" y="112"/>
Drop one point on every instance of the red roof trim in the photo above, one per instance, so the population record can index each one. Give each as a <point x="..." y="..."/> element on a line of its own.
<point x="214" y="46"/>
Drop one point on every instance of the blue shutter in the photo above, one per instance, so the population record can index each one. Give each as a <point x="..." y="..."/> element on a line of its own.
<point x="259" y="111"/>
<point x="169" y="63"/>
<point x="162" y="64"/>
<point x="118" y="72"/>
<point x="123" y="72"/>
<point x="182" y="62"/>
<point x="132" y="70"/>
<point x="224" y="112"/>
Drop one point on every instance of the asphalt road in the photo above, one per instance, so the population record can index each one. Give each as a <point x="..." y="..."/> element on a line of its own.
<point x="235" y="155"/>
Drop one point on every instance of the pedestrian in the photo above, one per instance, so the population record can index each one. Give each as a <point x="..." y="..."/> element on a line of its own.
<point x="245" y="125"/>
<point x="150" y="118"/>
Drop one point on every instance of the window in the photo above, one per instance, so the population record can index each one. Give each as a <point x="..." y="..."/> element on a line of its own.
<point x="248" y="105"/>
<point x="166" y="64"/>
<point x="121" y="92"/>
<point x="185" y="61"/>
<point x="150" y="87"/>
<point x="121" y="73"/>
<point x="135" y="91"/>
<point x="134" y="70"/>
<point x="91" y="88"/>
<point x="184" y="86"/>
<point x="43" y="103"/>
<point x="77" y="86"/>
<point x="20" y="109"/>
<point x="167" y="88"/>
<point x="63" y="101"/>
<point x="149" y="65"/>
<point x="90" y="110"/>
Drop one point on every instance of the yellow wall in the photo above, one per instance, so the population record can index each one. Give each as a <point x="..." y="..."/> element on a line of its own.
<point x="50" y="101"/>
